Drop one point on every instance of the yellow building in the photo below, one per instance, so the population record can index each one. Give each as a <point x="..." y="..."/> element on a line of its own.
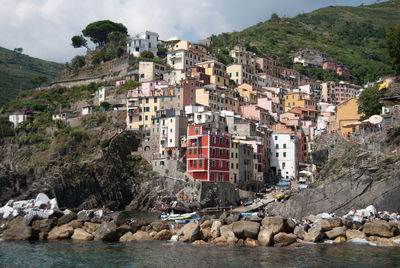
<point x="216" y="71"/>
<point x="242" y="74"/>
<point x="243" y="57"/>
<point x="141" y="109"/>
<point x="218" y="99"/>
<point x="301" y="100"/>
<point x="248" y="92"/>
<point x="347" y="112"/>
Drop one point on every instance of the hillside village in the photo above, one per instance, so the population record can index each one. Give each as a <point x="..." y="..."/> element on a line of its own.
<point x="248" y="123"/>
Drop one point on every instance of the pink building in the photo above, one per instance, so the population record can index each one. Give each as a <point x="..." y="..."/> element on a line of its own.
<point x="257" y="113"/>
<point x="337" y="67"/>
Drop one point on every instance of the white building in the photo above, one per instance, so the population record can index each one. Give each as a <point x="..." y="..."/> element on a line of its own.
<point x="142" y="42"/>
<point x="284" y="155"/>
<point x="15" y="119"/>
<point x="309" y="57"/>
<point x="87" y="109"/>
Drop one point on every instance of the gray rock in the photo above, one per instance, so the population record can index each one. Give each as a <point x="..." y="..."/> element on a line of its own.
<point x="380" y="228"/>
<point x="284" y="239"/>
<point x="265" y="237"/>
<point x="232" y="218"/>
<point x="106" y="232"/>
<point x="159" y="226"/>
<point x="85" y="215"/>
<point x="44" y="225"/>
<point x="215" y="228"/>
<point x="228" y="235"/>
<point x="243" y="229"/>
<point x="276" y="224"/>
<point x="163" y="235"/>
<point x="61" y="232"/>
<point x="142" y="236"/>
<point x="190" y="232"/>
<point x="67" y="217"/>
<point x="352" y="234"/>
<point x="314" y="234"/>
<point x="329" y="224"/>
<point x="335" y="232"/>
<point x="20" y="233"/>
<point x="300" y="232"/>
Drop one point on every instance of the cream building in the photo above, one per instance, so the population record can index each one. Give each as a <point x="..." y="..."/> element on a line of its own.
<point x="216" y="71"/>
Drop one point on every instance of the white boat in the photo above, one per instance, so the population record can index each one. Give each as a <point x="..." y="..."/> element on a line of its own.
<point x="172" y="217"/>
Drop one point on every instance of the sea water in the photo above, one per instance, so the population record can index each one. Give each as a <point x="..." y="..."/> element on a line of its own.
<point x="170" y="254"/>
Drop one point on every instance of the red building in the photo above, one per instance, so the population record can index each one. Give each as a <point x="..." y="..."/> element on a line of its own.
<point x="186" y="93"/>
<point x="207" y="154"/>
<point x="200" y="74"/>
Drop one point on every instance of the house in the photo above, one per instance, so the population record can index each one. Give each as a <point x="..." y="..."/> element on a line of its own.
<point x="242" y="74"/>
<point x="244" y="58"/>
<point x="62" y="116"/>
<point x="18" y="118"/>
<point x="248" y="93"/>
<point x="241" y="162"/>
<point x="312" y="89"/>
<point x="207" y="154"/>
<point x="260" y="115"/>
<point x="337" y="67"/>
<point x="185" y="55"/>
<point x="347" y="112"/>
<point x="335" y="93"/>
<point x="284" y="155"/>
<point x="309" y="57"/>
<point x="216" y="71"/>
<point x="151" y="71"/>
<point x="299" y="99"/>
<point x="199" y="74"/>
<point x="218" y="99"/>
<point x="87" y="109"/>
<point x="142" y="42"/>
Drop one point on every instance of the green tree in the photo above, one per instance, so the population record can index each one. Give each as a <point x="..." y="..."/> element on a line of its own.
<point x="78" y="41"/>
<point x="98" y="31"/>
<point x="369" y="101"/>
<point x="147" y="54"/>
<point x="117" y="38"/>
<point x="77" y="62"/>
<point x="274" y="17"/>
<point x="38" y="80"/>
<point x="393" y="45"/>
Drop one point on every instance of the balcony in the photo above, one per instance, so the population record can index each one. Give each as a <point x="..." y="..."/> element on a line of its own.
<point x="193" y="144"/>
<point x="134" y="112"/>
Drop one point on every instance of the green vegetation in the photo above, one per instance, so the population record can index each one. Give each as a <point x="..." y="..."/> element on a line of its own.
<point x="393" y="44"/>
<point x="99" y="31"/>
<point x="17" y="70"/>
<point x="354" y="36"/>
<point x="147" y="54"/>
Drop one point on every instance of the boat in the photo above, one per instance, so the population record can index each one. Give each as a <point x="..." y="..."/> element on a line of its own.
<point x="278" y="195"/>
<point x="172" y="217"/>
<point x="246" y="214"/>
<point x="248" y="203"/>
<point x="186" y="220"/>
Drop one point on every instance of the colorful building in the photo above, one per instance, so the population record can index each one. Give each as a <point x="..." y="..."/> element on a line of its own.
<point x="347" y="112"/>
<point x="299" y="99"/>
<point x="207" y="154"/>
<point x="216" y="71"/>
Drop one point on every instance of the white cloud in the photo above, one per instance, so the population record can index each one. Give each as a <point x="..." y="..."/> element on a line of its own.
<point x="43" y="28"/>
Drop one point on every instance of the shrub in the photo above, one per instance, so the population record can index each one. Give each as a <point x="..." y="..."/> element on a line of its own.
<point x="105" y="143"/>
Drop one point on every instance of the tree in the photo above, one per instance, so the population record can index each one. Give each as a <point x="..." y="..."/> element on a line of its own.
<point x="78" y="41"/>
<point x="274" y="17"/>
<point x="369" y="101"/>
<point x="77" y="62"/>
<point x="117" y="38"/>
<point x="38" y="80"/>
<point x="147" y="54"/>
<point x="393" y="45"/>
<point x="98" y="31"/>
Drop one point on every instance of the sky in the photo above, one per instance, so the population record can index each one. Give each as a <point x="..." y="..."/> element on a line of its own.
<point x="43" y="28"/>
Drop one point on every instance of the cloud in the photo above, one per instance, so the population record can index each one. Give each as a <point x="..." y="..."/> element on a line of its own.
<point x="43" y="28"/>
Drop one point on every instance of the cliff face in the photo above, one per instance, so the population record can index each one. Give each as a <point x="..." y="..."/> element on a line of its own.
<point x="106" y="181"/>
<point x="351" y="176"/>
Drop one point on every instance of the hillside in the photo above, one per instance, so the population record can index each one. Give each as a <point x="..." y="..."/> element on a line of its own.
<point x="352" y="35"/>
<point x="16" y="70"/>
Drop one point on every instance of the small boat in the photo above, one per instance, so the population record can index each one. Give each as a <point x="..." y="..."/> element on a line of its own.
<point x="172" y="217"/>
<point x="278" y="195"/>
<point x="186" y="220"/>
<point x="246" y="214"/>
<point x="248" y="203"/>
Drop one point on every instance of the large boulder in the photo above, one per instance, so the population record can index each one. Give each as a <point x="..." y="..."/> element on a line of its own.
<point x="276" y="224"/>
<point x="190" y="232"/>
<point x="232" y="218"/>
<point x="118" y="218"/>
<point x="205" y="233"/>
<point x="20" y="233"/>
<point x="142" y="236"/>
<point x="61" y="232"/>
<point x="205" y="224"/>
<point x="380" y="228"/>
<point x="76" y="224"/>
<point x="284" y="239"/>
<point x="82" y="235"/>
<point x="250" y="242"/>
<point x="314" y="234"/>
<point x="163" y="235"/>
<point x="353" y="234"/>
<point x="215" y="228"/>
<point x="67" y="217"/>
<point x="243" y="229"/>
<point x="228" y="234"/>
<point x="159" y="226"/>
<point x="335" y="232"/>
<point x="106" y="232"/>
<point x="85" y="215"/>
<point x="128" y="237"/>
<point x="384" y="241"/>
<point x="90" y="227"/>
<point x="265" y="236"/>
<point x="44" y="225"/>
<point x="329" y="224"/>
<point x="300" y="232"/>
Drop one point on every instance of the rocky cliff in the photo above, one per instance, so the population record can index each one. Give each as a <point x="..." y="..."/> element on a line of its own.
<point x="349" y="175"/>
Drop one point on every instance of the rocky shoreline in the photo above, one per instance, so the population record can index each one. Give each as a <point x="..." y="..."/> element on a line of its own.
<point x="227" y="230"/>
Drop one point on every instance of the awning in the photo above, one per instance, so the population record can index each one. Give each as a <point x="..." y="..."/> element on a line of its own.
<point x="382" y="86"/>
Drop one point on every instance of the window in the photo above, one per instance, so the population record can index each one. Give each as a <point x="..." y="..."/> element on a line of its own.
<point x="231" y="165"/>
<point x="277" y="155"/>
<point x="232" y="155"/>
<point x="195" y="163"/>
<point x="213" y="163"/>
<point x="214" y="140"/>
<point x="140" y="118"/>
<point x="213" y="152"/>
<point x="195" y="150"/>
<point x="190" y="151"/>
<point x="277" y="146"/>
<point x="237" y="166"/>
<point x="276" y="138"/>
<point x="196" y="130"/>
<point x="284" y="146"/>
<point x="200" y="163"/>
<point x="284" y="154"/>
<point x="221" y="140"/>
<point x="227" y="164"/>
<point x="227" y="153"/>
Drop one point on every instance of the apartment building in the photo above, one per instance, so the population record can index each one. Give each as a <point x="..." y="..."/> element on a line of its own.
<point x="218" y="99"/>
<point x="142" y="42"/>
<point x="335" y="93"/>
<point x="216" y="71"/>
<point x="299" y="99"/>
<point x="241" y="162"/>
<point x="284" y="155"/>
